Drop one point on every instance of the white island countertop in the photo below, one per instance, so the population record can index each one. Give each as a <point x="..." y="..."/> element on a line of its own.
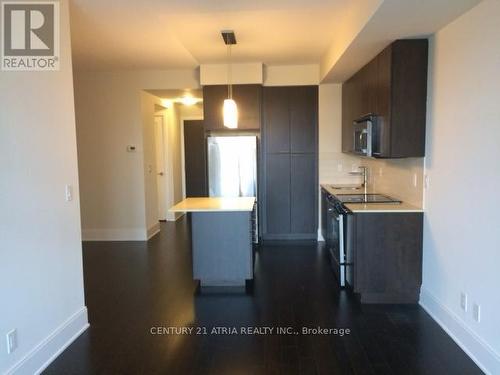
<point x="213" y="204"/>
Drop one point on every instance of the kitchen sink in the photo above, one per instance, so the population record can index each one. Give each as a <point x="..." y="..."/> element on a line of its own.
<point x="366" y="198"/>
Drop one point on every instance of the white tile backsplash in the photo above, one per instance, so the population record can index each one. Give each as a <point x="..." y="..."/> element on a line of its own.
<point x="394" y="177"/>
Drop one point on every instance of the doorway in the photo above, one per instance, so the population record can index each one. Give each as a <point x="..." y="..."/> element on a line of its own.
<point x="161" y="180"/>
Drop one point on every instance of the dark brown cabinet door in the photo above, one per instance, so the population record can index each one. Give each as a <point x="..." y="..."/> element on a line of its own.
<point x="348" y="90"/>
<point x="388" y="260"/>
<point x="277" y="118"/>
<point x="383" y="89"/>
<point x="277" y="194"/>
<point x="290" y="132"/>
<point x="303" y="192"/>
<point x="303" y="101"/>
<point x="408" y="97"/>
<point x="248" y="100"/>
<point x="195" y="159"/>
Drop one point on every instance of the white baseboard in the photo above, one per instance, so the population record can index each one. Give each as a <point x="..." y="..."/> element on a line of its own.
<point x="153" y="230"/>
<point x="320" y="236"/>
<point x="129" y="234"/>
<point x="476" y="348"/>
<point x="49" y="348"/>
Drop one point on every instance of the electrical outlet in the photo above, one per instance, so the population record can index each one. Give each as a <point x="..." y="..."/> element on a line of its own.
<point x="415" y="180"/>
<point x="11" y="341"/>
<point x="476" y="312"/>
<point x="463" y="301"/>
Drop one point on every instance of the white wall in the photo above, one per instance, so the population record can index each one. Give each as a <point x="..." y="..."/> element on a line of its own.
<point x="462" y="220"/>
<point x="41" y="278"/>
<point x="149" y="109"/>
<point x="289" y="75"/>
<point x="333" y="164"/>
<point x="116" y="187"/>
<point x="174" y="149"/>
<point x="241" y="73"/>
<point x="108" y="118"/>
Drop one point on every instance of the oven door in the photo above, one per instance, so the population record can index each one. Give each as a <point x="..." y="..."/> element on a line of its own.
<point x="335" y="243"/>
<point x="349" y="251"/>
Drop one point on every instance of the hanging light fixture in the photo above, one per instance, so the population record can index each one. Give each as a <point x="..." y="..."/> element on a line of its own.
<point x="229" y="110"/>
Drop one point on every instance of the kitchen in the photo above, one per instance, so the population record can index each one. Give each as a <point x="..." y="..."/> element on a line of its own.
<point x="282" y="123"/>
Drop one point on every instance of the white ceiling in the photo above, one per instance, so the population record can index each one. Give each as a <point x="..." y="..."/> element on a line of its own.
<point x="393" y="19"/>
<point x="166" y="34"/>
<point x="340" y="35"/>
<point x="176" y="94"/>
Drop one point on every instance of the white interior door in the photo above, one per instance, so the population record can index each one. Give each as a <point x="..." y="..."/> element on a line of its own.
<point x="161" y="177"/>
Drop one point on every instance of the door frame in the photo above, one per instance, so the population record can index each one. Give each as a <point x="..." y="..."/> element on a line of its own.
<point x="167" y="190"/>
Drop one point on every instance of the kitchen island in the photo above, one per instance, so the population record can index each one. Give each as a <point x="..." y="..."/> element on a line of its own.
<point x="221" y="231"/>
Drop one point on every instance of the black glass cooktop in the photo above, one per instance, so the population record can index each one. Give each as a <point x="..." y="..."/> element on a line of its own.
<point x="365" y="198"/>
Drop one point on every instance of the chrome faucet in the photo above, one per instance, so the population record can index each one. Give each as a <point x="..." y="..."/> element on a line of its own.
<point x="364" y="173"/>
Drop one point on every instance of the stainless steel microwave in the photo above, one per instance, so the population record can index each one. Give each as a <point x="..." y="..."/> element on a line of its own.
<point x="363" y="133"/>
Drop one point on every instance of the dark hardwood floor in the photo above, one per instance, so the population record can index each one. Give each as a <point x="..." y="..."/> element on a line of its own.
<point x="131" y="287"/>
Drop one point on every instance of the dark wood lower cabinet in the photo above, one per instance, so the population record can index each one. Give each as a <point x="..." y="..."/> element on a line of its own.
<point x="277" y="194"/>
<point x="303" y="194"/>
<point x="384" y="252"/>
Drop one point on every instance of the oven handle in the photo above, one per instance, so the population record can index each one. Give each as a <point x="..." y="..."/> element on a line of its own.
<point x="342" y="259"/>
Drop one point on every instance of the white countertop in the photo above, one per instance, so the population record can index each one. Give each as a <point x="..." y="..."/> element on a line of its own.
<point x="371" y="207"/>
<point x="212" y="204"/>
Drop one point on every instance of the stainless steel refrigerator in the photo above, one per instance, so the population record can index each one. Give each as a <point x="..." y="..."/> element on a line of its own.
<point x="232" y="168"/>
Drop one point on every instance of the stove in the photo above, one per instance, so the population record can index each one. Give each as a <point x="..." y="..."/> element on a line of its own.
<point x="365" y="198"/>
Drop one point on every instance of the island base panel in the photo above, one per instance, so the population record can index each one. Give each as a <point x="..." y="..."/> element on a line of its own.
<point x="222" y="248"/>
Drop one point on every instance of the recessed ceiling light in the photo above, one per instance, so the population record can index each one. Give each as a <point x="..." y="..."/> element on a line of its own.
<point x="188" y="100"/>
<point x="166" y="103"/>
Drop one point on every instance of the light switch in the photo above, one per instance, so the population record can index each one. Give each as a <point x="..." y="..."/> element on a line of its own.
<point x="476" y="312"/>
<point x="69" y="193"/>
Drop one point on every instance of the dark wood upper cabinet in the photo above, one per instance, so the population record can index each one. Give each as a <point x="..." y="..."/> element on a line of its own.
<point x="276" y="113"/>
<point x="248" y="98"/>
<point x="292" y="113"/>
<point x="303" y="119"/>
<point x="393" y="86"/>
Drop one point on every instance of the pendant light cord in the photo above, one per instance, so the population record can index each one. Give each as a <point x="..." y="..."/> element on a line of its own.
<point x="229" y="73"/>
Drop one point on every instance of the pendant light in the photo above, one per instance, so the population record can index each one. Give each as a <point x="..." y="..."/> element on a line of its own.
<point x="229" y="110"/>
